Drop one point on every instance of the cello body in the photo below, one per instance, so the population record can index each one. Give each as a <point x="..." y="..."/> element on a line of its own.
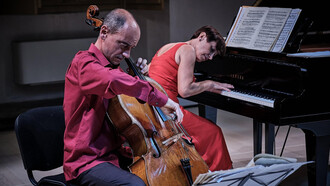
<point x="157" y="146"/>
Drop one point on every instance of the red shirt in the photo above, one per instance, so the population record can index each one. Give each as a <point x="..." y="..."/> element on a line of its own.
<point x="89" y="83"/>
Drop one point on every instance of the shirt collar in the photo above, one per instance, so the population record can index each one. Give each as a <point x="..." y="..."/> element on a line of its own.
<point x="99" y="55"/>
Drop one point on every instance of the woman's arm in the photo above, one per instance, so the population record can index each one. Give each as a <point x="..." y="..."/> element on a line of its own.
<point x="186" y="57"/>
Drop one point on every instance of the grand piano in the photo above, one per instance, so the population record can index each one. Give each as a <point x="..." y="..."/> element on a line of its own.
<point x="277" y="89"/>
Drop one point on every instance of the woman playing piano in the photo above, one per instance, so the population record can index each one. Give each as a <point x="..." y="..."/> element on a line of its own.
<point x="172" y="67"/>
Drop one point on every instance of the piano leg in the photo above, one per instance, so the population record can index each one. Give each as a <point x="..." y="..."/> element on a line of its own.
<point x="269" y="138"/>
<point x="208" y="112"/>
<point x="317" y="136"/>
<point x="257" y="137"/>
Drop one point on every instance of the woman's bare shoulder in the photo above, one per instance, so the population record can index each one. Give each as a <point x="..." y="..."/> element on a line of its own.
<point x="168" y="46"/>
<point x="186" y="49"/>
<point x="185" y="53"/>
<point x="165" y="48"/>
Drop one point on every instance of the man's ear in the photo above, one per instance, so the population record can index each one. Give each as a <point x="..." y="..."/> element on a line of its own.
<point x="104" y="32"/>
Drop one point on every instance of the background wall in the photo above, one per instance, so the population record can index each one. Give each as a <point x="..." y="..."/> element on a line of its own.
<point x="176" y="22"/>
<point x="186" y="16"/>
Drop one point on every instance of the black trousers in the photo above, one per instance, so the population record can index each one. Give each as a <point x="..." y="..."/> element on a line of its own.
<point x="106" y="174"/>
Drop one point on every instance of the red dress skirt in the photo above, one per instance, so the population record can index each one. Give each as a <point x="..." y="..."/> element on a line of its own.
<point x="207" y="136"/>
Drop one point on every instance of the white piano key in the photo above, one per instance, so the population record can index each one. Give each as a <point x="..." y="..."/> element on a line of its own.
<point x="249" y="98"/>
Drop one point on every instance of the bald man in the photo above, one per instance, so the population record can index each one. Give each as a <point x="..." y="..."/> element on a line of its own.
<point x="93" y="152"/>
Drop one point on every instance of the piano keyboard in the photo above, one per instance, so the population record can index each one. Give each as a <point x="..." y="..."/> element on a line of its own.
<point x="252" y="98"/>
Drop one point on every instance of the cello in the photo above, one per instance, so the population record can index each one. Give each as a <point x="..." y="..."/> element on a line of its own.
<point x="162" y="153"/>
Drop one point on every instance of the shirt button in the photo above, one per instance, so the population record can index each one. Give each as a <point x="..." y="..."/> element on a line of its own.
<point x="156" y="103"/>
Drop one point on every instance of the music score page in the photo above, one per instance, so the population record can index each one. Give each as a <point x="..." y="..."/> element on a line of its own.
<point x="262" y="28"/>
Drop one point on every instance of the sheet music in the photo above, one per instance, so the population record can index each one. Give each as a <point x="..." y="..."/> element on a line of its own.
<point x="257" y="175"/>
<point x="259" y="28"/>
<point x="244" y="31"/>
<point x="271" y="28"/>
<point x="288" y="27"/>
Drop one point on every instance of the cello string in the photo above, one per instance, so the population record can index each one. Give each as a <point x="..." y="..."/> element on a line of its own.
<point x="162" y="117"/>
<point x="183" y="131"/>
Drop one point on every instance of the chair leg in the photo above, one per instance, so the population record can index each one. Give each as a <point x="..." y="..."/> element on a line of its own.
<point x="31" y="178"/>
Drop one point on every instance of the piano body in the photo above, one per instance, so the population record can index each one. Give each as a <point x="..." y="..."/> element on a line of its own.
<point x="276" y="89"/>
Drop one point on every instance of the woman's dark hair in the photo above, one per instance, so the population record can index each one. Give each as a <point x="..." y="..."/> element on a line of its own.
<point x="212" y="35"/>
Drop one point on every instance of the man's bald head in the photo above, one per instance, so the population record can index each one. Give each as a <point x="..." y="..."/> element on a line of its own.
<point x="118" y="35"/>
<point x="116" y="19"/>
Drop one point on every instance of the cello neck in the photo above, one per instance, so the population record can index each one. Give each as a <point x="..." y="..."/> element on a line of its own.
<point x="138" y="73"/>
<point x="135" y="70"/>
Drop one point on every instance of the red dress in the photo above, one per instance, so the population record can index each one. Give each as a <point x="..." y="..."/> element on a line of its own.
<point x="207" y="136"/>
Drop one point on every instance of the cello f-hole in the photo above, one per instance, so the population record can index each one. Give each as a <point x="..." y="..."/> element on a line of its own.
<point x="155" y="146"/>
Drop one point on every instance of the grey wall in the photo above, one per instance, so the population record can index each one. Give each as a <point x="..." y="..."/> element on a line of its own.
<point x="176" y="22"/>
<point x="49" y="27"/>
<point x="186" y="16"/>
<point x="17" y="28"/>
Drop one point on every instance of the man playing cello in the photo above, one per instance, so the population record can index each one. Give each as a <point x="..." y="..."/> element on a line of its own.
<point x="91" y="149"/>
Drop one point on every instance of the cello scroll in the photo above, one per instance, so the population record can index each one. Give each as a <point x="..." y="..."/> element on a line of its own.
<point x="91" y="17"/>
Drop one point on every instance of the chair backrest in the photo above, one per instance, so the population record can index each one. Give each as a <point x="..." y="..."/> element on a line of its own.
<point x="39" y="133"/>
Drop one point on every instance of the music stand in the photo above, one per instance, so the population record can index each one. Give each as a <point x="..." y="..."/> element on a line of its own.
<point x="257" y="175"/>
